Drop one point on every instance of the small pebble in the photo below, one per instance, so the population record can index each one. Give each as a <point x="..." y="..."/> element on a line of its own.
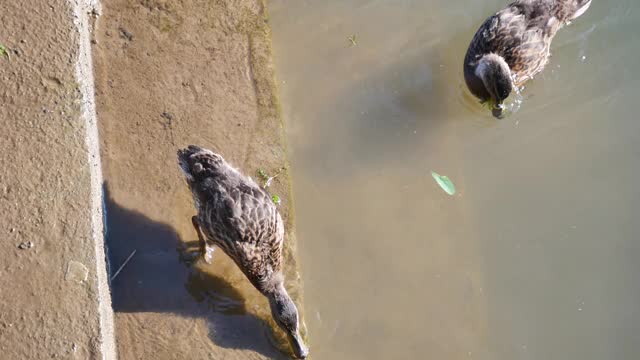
<point x="25" y="245"/>
<point x="125" y="34"/>
<point x="167" y="115"/>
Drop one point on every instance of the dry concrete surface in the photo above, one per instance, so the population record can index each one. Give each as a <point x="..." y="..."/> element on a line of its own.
<point x="53" y="292"/>
<point x="168" y="73"/>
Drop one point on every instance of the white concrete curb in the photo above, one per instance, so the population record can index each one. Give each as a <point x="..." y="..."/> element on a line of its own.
<point x="82" y="10"/>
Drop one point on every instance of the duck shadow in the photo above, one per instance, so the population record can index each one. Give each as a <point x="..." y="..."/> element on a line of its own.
<point x="160" y="277"/>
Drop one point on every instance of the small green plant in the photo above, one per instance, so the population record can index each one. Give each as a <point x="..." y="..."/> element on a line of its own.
<point x="262" y="175"/>
<point x="266" y="179"/>
<point x="3" y="51"/>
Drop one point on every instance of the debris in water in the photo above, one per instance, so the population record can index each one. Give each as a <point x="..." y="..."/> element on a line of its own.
<point x="25" y="245"/>
<point x="123" y="265"/>
<point x="270" y="179"/>
<point x="267" y="180"/>
<point x="445" y="183"/>
<point x="352" y="40"/>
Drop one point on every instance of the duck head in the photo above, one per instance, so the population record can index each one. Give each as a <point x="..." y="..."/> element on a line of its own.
<point x="285" y="314"/>
<point x="495" y="74"/>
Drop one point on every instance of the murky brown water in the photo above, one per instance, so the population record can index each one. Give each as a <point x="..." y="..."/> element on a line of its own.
<point x="536" y="255"/>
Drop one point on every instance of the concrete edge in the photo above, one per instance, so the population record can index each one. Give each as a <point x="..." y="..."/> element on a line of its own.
<point x="85" y="77"/>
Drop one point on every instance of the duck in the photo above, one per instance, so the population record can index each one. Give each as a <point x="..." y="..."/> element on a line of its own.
<point x="240" y="217"/>
<point x="512" y="46"/>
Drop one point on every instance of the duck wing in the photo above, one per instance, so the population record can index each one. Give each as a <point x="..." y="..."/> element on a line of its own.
<point x="521" y="33"/>
<point x="242" y="219"/>
<point x="235" y="213"/>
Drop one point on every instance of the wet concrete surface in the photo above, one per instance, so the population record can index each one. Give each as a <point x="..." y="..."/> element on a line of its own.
<point x="166" y="278"/>
<point x="169" y="74"/>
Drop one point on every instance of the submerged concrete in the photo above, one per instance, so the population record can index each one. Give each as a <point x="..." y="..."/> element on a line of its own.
<point x="54" y="298"/>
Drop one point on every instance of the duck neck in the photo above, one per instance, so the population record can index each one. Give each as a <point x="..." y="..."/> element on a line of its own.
<point x="273" y="286"/>
<point x="278" y="295"/>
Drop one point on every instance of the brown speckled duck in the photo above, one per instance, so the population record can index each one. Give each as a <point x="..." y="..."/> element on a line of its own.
<point x="238" y="216"/>
<point x="513" y="45"/>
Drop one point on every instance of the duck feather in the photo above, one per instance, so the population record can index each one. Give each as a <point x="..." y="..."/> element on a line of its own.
<point x="235" y="214"/>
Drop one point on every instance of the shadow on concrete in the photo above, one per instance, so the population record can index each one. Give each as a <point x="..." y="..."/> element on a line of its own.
<point x="160" y="278"/>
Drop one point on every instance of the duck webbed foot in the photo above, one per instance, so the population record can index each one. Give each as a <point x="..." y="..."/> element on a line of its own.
<point x="206" y="251"/>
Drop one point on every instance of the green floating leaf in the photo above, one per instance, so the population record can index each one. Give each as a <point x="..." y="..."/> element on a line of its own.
<point x="445" y="183"/>
<point x="276" y="199"/>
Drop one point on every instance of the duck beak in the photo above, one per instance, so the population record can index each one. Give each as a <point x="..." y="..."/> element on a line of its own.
<point x="497" y="112"/>
<point x="299" y="348"/>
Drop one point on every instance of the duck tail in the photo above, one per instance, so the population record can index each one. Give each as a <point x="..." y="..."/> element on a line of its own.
<point x="581" y="6"/>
